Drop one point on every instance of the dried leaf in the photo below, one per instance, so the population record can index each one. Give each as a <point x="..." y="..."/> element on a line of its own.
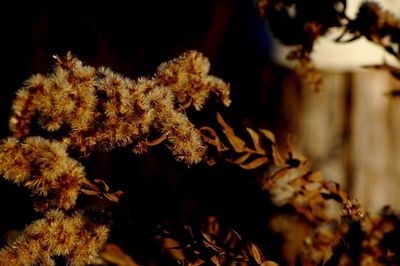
<point x="211" y="141"/>
<point x="186" y="105"/>
<point x="156" y="141"/>
<point x="256" y="141"/>
<point x="237" y="143"/>
<point x="115" y="255"/>
<point x="119" y="193"/>
<point x="228" y="236"/>
<point x="269" y="263"/>
<point x="268" y="134"/>
<point x="255" y="163"/>
<point x="111" y="197"/>
<point x="208" y="241"/>
<point x="215" y="141"/>
<point x="172" y="246"/>
<point x="281" y="173"/>
<point x="277" y="157"/>
<point x="91" y="186"/>
<point x="215" y="260"/>
<point x="99" y="181"/>
<point x="315" y="177"/>
<point x="239" y="160"/>
<point x="90" y="192"/>
<point x="198" y="262"/>
<point x="256" y="253"/>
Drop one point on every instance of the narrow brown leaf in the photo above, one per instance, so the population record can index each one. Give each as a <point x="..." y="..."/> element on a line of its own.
<point x="215" y="260"/>
<point x="281" y="173"/>
<point x="228" y="236"/>
<point x="172" y="247"/>
<point x="156" y="141"/>
<point x="208" y="241"/>
<point x="99" y="181"/>
<point x="186" y="105"/>
<point x="315" y="177"/>
<point x="256" y="141"/>
<point x="88" y="184"/>
<point x="239" y="160"/>
<point x="90" y="192"/>
<point x="256" y="253"/>
<point x="268" y="134"/>
<point x="215" y="141"/>
<point x="119" y="193"/>
<point x="269" y="263"/>
<point x="198" y="262"/>
<point x="237" y="143"/>
<point x="255" y="163"/>
<point x="111" y="197"/>
<point x="276" y="156"/>
<point x="115" y="255"/>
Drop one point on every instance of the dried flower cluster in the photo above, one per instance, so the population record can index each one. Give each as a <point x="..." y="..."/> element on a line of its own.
<point x="82" y="109"/>
<point x="92" y="108"/>
<point x="45" y="168"/>
<point x="57" y="234"/>
<point x="187" y="76"/>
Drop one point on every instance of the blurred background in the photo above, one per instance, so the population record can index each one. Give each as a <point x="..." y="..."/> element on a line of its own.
<point x="350" y="129"/>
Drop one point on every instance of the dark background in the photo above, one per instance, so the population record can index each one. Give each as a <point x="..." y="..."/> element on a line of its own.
<point x="133" y="38"/>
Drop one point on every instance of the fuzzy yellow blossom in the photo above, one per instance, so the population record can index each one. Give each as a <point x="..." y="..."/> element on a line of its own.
<point x="188" y="78"/>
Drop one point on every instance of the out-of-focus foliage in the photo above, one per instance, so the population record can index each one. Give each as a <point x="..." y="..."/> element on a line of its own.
<point x="296" y="24"/>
